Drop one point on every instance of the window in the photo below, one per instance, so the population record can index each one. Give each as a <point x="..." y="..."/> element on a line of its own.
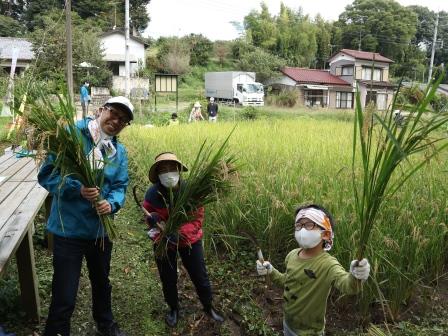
<point x="367" y="73"/>
<point x="239" y="87"/>
<point x="344" y="99"/>
<point x="347" y="71"/>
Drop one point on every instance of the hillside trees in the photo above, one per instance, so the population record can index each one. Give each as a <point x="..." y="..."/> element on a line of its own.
<point x="382" y="26"/>
<point x="49" y="45"/>
<point x="104" y="14"/>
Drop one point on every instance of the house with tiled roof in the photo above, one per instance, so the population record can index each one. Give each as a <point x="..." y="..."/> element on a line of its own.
<point x="367" y="69"/>
<point x="336" y="86"/>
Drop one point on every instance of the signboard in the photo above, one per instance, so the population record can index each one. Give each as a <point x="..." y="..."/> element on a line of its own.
<point x="165" y="83"/>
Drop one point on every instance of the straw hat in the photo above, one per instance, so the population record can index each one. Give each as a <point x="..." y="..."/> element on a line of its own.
<point x="197" y="104"/>
<point x="167" y="156"/>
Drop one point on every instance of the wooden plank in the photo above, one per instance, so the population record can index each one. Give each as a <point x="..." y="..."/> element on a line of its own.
<point x="5" y="157"/>
<point x="13" y="169"/>
<point x="26" y="174"/>
<point x="7" y="163"/>
<point x="18" y="171"/>
<point x="14" y="200"/>
<point x="6" y="189"/>
<point x="29" y="289"/>
<point x="19" y="223"/>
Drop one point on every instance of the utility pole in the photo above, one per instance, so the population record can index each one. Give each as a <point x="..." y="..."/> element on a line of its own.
<point x="126" y="52"/>
<point x="433" y="49"/>
<point x="68" y="32"/>
<point x="359" y="44"/>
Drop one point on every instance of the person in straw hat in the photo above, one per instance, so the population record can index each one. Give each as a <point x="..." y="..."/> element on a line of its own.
<point x="165" y="176"/>
<point x="196" y="113"/>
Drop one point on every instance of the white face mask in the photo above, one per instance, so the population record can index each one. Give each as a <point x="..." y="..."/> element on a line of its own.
<point x="169" y="180"/>
<point x="308" y="238"/>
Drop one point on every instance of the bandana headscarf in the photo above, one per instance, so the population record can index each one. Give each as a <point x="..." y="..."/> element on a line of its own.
<point x="102" y="143"/>
<point x="321" y="219"/>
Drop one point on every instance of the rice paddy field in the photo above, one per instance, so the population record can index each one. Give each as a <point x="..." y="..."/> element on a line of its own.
<point x="285" y="163"/>
<point x="284" y="159"/>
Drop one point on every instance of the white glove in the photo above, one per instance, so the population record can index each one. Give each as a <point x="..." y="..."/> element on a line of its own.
<point x="360" y="269"/>
<point x="265" y="268"/>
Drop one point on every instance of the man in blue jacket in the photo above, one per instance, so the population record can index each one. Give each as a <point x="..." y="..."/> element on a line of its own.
<point x="74" y="220"/>
<point x="85" y="98"/>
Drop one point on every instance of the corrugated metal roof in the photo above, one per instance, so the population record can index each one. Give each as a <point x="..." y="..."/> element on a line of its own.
<point x="8" y="43"/>
<point x="302" y="75"/>
<point x="365" y="55"/>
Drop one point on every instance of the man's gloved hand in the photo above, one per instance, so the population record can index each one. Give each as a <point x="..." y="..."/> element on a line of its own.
<point x="264" y="268"/>
<point x="360" y="269"/>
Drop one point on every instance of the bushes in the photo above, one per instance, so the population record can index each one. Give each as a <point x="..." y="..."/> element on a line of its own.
<point x="285" y="98"/>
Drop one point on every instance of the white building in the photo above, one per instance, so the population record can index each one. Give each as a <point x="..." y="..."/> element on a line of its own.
<point x="113" y="44"/>
<point x="15" y="48"/>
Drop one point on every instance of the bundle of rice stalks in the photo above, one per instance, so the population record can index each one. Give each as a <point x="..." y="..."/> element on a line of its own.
<point x="211" y="176"/>
<point x="55" y="133"/>
<point x="386" y="144"/>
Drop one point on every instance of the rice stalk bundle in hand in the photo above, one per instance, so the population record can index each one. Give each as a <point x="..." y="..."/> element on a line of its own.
<point x="211" y="176"/>
<point x="384" y="145"/>
<point x="55" y="133"/>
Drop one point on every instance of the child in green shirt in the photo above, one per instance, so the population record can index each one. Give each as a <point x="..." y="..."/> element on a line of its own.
<point x="311" y="272"/>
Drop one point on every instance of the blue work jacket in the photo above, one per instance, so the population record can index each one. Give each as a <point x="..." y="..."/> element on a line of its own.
<point x="71" y="215"/>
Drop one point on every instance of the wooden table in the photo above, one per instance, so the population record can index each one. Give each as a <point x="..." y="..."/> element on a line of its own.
<point x="21" y="197"/>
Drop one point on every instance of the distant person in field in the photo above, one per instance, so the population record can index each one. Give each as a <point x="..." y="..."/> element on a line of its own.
<point x="212" y="110"/>
<point x="196" y="113"/>
<point x="165" y="176"/>
<point x="311" y="272"/>
<point x="174" y="121"/>
<point x="85" y="98"/>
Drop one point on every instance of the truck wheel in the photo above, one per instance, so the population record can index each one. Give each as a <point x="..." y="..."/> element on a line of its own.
<point x="236" y="101"/>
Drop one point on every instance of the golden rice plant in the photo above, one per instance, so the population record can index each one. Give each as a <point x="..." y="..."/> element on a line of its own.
<point x="54" y="133"/>
<point x="383" y="145"/>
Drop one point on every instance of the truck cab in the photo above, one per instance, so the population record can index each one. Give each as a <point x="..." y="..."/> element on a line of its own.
<point x="248" y="94"/>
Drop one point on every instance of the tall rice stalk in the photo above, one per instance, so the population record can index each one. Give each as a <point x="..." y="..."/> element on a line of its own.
<point x="210" y="177"/>
<point x="55" y="133"/>
<point x="385" y="145"/>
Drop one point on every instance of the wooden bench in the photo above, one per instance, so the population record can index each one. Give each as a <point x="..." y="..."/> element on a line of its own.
<point x="21" y="197"/>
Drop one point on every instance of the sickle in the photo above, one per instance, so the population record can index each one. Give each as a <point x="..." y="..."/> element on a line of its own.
<point x="139" y="203"/>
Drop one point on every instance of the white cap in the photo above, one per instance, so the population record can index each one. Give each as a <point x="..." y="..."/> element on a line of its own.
<point x="124" y="103"/>
<point x="212" y="99"/>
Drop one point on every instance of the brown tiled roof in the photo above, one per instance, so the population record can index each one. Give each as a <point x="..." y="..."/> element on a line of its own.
<point x="313" y="76"/>
<point x="377" y="83"/>
<point x="365" y="55"/>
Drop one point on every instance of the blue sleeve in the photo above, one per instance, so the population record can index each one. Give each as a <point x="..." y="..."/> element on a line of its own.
<point x="117" y="194"/>
<point x="51" y="180"/>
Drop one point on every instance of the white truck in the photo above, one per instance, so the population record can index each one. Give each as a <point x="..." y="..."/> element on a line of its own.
<point x="239" y="87"/>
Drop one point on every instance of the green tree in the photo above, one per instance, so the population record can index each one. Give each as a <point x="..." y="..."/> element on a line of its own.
<point x="200" y="49"/>
<point x="173" y="55"/>
<point x="263" y="63"/>
<point x="49" y="44"/>
<point x="425" y="32"/>
<point x="262" y="28"/>
<point x="10" y="27"/>
<point x="382" y="26"/>
<point x="291" y="35"/>
<point x="323" y="41"/>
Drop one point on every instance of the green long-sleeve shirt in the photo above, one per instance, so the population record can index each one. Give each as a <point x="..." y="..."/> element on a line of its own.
<point x="307" y="284"/>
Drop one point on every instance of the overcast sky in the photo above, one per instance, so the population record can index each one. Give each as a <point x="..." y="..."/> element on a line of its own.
<point x="213" y="18"/>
